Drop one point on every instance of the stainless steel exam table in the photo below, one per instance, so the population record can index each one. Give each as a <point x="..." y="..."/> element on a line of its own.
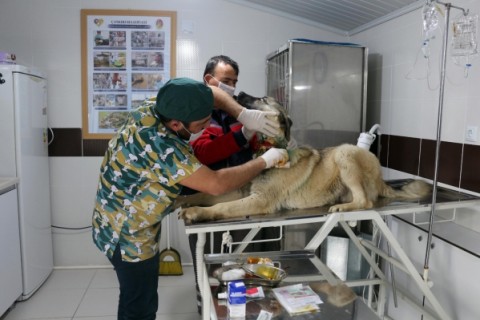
<point x="445" y="199"/>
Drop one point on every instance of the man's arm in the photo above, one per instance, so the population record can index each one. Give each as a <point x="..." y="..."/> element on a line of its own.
<point x="229" y="179"/>
<point x="224" y="180"/>
<point x="253" y="120"/>
<point x="222" y="101"/>
<point x="214" y="145"/>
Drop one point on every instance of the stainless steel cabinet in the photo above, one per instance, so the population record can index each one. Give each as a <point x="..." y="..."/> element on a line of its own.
<point x="323" y="85"/>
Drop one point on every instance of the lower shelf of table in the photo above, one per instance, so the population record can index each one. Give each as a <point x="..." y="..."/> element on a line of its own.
<point x="356" y="310"/>
<point x="300" y="267"/>
<point x="295" y="263"/>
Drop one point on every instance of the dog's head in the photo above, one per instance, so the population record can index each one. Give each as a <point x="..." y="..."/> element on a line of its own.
<point x="268" y="104"/>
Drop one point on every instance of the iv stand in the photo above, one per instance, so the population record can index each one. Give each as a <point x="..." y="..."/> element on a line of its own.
<point x="448" y="6"/>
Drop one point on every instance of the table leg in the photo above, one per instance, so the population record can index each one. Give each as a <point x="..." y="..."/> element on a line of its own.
<point x="412" y="271"/>
<point x="202" y="276"/>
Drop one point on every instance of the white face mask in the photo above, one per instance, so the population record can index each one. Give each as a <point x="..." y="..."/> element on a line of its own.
<point x="226" y="88"/>
<point x="194" y="136"/>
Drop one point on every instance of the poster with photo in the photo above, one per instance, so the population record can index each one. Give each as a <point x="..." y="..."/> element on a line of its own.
<point x="127" y="56"/>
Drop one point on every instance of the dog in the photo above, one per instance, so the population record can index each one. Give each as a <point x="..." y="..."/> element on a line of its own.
<point x="345" y="178"/>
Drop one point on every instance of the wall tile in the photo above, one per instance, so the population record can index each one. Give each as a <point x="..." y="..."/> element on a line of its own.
<point x="470" y="169"/>
<point x="428" y="114"/>
<point x="417" y="157"/>
<point x="449" y="162"/>
<point x="67" y="142"/>
<point x="383" y="155"/>
<point x="473" y="116"/>
<point x="455" y="110"/>
<point x="410" y="155"/>
<point x="72" y="205"/>
<point x="405" y="120"/>
<point x="403" y="154"/>
<point x="94" y="147"/>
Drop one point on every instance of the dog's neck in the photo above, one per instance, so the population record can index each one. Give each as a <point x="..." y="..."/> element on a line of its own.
<point x="263" y="143"/>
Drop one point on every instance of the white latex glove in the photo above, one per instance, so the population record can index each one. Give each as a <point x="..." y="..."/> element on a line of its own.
<point x="292" y="144"/>
<point x="248" y="134"/>
<point x="275" y="157"/>
<point x="258" y="121"/>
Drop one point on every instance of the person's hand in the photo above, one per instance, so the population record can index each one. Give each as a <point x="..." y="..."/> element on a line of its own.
<point x="275" y="157"/>
<point x="257" y="120"/>
<point x="248" y="134"/>
<point x="292" y="144"/>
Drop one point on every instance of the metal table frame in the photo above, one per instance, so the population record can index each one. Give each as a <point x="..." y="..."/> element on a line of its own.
<point x="331" y="220"/>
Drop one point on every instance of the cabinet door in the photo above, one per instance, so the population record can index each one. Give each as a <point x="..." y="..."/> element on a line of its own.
<point x="10" y="263"/>
<point x="454" y="273"/>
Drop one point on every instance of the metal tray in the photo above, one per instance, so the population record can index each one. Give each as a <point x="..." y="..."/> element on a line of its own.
<point x="255" y="274"/>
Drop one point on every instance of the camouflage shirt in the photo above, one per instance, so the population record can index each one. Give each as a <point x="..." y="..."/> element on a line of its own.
<point x="138" y="182"/>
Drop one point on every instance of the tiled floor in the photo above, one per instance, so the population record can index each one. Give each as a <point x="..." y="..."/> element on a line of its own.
<point x="92" y="294"/>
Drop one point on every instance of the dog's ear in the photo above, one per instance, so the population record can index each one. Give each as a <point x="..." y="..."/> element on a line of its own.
<point x="285" y="123"/>
<point x="287" y="130"/>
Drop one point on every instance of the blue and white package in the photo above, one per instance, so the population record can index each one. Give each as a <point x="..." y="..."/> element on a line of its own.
<point x="237" y="299"/>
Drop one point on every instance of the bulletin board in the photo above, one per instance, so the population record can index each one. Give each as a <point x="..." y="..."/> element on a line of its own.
<point x="127" y="56"/>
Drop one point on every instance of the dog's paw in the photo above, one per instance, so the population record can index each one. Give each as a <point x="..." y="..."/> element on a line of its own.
<point x="189" y="215"/>
<point x="336" y="208"/>
<point x="351" y="206"/>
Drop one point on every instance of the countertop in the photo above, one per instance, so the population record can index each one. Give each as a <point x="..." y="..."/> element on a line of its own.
<point x="6" y="182"/>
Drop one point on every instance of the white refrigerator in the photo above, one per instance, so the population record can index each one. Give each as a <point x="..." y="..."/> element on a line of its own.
<point x="24" y="154"/>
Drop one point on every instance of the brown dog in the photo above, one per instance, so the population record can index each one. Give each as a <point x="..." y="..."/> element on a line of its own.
<point x="345" y="177"/>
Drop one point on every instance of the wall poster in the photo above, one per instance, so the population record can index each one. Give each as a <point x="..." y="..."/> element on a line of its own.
<point x="127" y="56"/>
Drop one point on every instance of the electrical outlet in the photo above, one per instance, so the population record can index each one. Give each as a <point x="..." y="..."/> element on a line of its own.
<point x="471" y="134"/>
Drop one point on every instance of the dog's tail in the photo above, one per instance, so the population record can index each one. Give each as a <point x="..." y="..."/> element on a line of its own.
<point x="415" y="189"/>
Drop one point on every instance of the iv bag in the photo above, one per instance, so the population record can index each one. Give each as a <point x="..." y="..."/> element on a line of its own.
<point x="430" y="19"/>
<point x="464" y="41"/>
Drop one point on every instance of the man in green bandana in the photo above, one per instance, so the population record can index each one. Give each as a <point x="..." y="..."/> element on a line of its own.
<point x="144" y="169"/>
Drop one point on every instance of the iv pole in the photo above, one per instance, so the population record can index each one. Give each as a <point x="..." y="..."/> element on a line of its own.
<point x="448" y="6"/>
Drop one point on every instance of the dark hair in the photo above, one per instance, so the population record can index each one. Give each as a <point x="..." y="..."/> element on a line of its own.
<point x="213" y="62"/>
<point x="166" y="120"/>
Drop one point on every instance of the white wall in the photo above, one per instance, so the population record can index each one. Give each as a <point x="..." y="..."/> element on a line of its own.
<point x="46" y="34"/>
<point x="400" y="96"/>
<point x="405" y="101"/>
